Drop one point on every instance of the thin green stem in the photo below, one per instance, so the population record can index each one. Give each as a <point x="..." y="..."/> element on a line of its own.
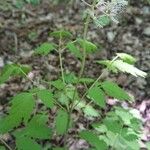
<point x="6" y="145"/>
<point x="37" y="85"/>
<point x="60" y="59"/>
<point x="86" y="25"/>
<point x="95" y="82"/>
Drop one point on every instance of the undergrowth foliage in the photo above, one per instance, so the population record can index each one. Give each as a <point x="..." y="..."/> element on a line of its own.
<point x="117" y="129"/>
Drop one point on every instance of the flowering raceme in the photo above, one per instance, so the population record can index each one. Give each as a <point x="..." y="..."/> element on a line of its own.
<point x="108" y="10"/>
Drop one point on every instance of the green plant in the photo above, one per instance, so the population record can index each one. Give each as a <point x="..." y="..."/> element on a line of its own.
<point x="117" y="129"/>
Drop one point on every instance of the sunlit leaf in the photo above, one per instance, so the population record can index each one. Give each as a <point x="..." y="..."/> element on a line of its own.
<point x="127" y="58"/>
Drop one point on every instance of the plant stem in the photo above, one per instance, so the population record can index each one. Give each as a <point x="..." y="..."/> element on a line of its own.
<point x="101" y="75"/>
<point x="60" y="58"/>
<point x="6" y="145"/>
<point x="86" y="25"/>
<point x="37" y="85"/>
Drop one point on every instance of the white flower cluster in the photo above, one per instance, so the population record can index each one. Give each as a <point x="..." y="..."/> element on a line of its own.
<point x="112" y="8"/>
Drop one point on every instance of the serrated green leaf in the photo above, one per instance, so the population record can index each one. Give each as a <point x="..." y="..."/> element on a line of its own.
<point x="26" y="143"/>
<point x="58" y="84"/>
<point x="46" y="97"/>
<point x="127" y="58"/>
<point x="97" y="95"/>
<point x="61" y="122"/>
<point x="74" y="50"/>
<point x="23" y="104"/>
<point x="90" y="111"/>
<point x="93" y="140"/>
<point x="44" y="49"/>
<point x="125" y="67"/>
<point x="61" y="33"/>
<point x="6" y="73"/>
<point x="108" y="64"/>
<point x="22" y="107"/>
<point x="37" y="128"/>
<point x="113" y="90"/>
<point x="70" y="78"/>
<point x="13" y="70"/>
<point x="89" y="46"/>
<point x="113" y="125"/>
<point x="102" y="21"/>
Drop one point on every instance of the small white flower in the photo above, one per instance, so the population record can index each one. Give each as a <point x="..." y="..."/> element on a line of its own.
<point x="112" y="9"/>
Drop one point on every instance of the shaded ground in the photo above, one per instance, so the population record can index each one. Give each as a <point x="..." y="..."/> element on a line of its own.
<point x="22" y="30"/>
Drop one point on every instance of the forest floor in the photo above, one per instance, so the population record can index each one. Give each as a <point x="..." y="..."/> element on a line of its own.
<point x="22" y="30"/>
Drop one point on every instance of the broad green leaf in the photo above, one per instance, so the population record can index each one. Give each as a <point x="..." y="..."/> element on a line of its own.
<point x="89" y="46"/>
<point x="90" y="111"/>
<point x="125" y="115"/>
<point x="61" y="33"/>
<point x="44" y="49"/>
<point x="71" y="92"/>
<point x="22" y="107"/>
<point x="62" y="98"/>
<point x="127" y="58"/>
<point x="37" y="128"/>
<point x="102" y="21"/>
<point x="26" y="143"/>
<point x="97" y="95"/>
<point x="74" y="50"/>
<point x="6" y="73"/>
<point x="93" y="140"/>
<point x="70" y="78"/>
<point x="58" y="84"/>
<point x="113" y="90"/>
<point x="46" y="97"/>
<point x="13" y="70"/>
<point x="61" y="122"/>
<point x="22" y="104"/>
<point x="113" y="126"/>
